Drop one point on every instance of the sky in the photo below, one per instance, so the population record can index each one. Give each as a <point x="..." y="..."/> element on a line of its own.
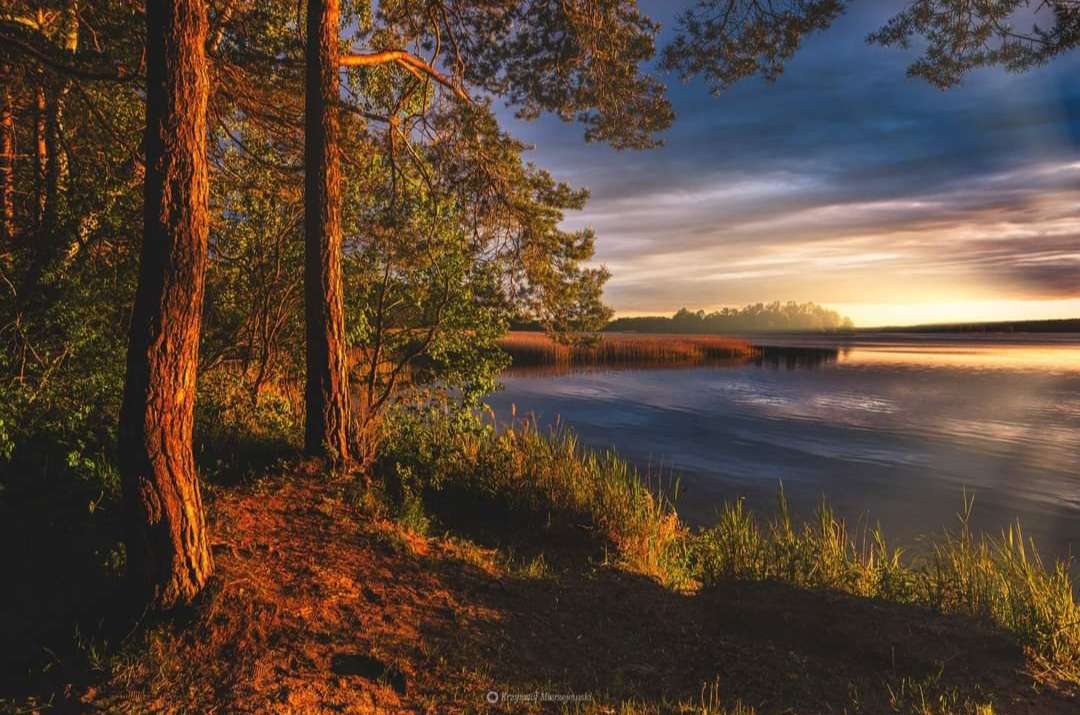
<point x="845" y="183"/>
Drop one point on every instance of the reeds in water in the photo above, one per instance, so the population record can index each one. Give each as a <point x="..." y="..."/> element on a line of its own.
<point x="528" y="349"/>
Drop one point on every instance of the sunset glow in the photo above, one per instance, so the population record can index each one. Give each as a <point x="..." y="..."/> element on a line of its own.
<point x="848" y="184"/>
<point x="975" y="311"/>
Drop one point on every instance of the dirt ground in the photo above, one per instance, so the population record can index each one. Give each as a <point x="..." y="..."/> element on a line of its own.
<point x="316" y="609"/>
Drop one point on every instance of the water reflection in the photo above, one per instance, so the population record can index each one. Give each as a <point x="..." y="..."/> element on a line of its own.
<point x="1052" y="353"/>
<point x="771" y="356"/>
<point x="563" y="369"/>
<point x="1053" y="359"/>
<point x="892" y="428"/>
<point x="795" y="358"/>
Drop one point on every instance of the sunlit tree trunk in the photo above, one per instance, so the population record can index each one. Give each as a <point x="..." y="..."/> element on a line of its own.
<point x="70" y="37"/>
<point x="50" y="162"/>
<point x="41" y="153"/>
<point x="168" y="555"/>
<point x="326" y="391"/>
<point x="46" y="189"/>
<point x="49" y="206"/>
<point x="7" y="167"/>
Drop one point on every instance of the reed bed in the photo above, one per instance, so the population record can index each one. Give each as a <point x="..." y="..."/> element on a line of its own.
<point x="527" y="349"/>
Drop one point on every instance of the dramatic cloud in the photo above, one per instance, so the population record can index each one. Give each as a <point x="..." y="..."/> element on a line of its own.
<point x="846" y="183"/>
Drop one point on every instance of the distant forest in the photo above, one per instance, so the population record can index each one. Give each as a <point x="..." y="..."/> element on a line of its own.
<point x="751" y="318"/>
<point x="1068" y="325"/>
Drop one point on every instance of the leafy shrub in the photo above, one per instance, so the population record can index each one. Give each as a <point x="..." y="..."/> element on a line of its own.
<point x="239" y="430"/>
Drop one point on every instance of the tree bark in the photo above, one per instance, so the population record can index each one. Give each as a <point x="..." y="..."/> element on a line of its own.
<point x="49" y="207"/>
<point x="47" y="243"/>
<point x="7" y="167"/>
<point x="41" y="152"/>
<point x="326" y="390"/>
<point x="168" y="554"/>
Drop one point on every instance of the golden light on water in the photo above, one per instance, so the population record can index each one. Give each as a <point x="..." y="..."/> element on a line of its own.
<point x="1047" y="358"/>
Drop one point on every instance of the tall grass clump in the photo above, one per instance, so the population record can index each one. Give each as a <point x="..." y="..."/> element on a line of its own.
<point x="1004" y="580"/>
<point x="540" y="471"/>
<point x="818" y="554"/>
<point x="552" y="470"/>
<point x="1001" y="580"/>
<point x="537" y="349"/>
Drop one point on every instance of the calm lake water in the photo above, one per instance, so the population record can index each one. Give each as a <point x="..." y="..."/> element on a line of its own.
<point x="892" y="429"/>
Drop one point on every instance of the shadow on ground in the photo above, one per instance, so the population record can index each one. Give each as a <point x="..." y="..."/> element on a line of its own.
<point x="63" y="605"/>
<point x="612" y="636"/>
<point x="313" y="609"/>
<point x="59" y="599"/>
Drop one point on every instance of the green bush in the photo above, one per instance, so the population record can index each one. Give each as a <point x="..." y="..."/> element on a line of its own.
<point x="239" y="431"/>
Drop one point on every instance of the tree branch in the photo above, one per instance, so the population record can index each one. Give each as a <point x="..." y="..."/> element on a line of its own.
<point x="410" y="62"/>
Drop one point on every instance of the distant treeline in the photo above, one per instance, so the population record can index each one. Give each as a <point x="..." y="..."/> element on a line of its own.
<point x="752" y="318"/>
<point x="1069" y="325"/>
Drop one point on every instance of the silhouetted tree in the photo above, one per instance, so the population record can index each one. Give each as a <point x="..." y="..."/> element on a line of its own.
<point x="725" y="41"/>
<point x="962" y="36"/>
<point x="750" y="318"/>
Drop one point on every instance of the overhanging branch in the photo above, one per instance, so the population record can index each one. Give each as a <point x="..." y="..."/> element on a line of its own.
<point x="416" y="66"/>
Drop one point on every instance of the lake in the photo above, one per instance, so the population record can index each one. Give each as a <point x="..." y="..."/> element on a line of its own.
<point x="890" y="428"/>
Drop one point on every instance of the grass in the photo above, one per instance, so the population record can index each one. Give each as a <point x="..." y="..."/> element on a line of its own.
<point x="1000" y="580"/>
<point x="528" y="349"/>
<point x="708" y="705"/>
<point x="534" y="471"/>
<point x="909" y="697"/>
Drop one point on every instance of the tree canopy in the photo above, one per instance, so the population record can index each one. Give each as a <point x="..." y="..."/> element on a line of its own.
<point x="724" y="41"/>
<point x="449" y="233"/>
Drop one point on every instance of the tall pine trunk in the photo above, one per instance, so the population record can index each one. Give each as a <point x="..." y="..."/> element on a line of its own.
<point x="7" y="167"/>
<point x="326" y="391"/>
<point x="167" y="550"/>
<point x="41" y="152"/>
<point x="49" y="207"/>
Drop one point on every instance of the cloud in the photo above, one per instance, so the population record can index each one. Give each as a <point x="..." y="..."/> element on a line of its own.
<point x="843" y="182"/>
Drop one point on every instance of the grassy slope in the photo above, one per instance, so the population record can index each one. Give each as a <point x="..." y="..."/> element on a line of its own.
<point x="554" y="570"/>
<point x="315" y="609"/>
